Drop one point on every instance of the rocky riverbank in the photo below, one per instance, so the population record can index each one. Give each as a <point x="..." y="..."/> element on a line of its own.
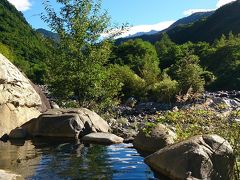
<point x="129" y="119"/>
<point x="203" y="132"/>
<point x="185" y="135"/>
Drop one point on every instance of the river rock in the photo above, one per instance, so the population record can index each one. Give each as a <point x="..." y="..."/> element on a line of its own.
<point x="4" y="175"/>
<point x="18" y="133"/>
<point x="159" y="137"/>
<point x="102" y="138"/>
<point x="225" y="102"/>
<point x="131" y="102"/>
<point x="66" y="123"/>
<point x="208" y="157"/>
<point x="19" y="102"/>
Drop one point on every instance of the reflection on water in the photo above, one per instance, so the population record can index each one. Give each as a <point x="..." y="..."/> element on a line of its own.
<point x="41" y="159"/>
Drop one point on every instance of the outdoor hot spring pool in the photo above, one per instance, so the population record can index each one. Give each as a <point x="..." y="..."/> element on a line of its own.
<point x="41" y="159"/>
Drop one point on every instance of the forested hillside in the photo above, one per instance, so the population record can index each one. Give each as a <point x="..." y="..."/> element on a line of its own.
<point x="224" y="20"/>
<point x="20" y="43"/>
<point x="206" y="28"/>
<point x="48" y="34"/>
<point x="153" y="37"/>
<point x="167" y="69"/>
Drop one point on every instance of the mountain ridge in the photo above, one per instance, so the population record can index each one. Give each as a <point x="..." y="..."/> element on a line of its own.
<point x="183" y="21"/>
<point x="224" y="20"/>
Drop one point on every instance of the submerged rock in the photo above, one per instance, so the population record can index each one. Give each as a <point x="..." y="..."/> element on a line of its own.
<point x="159" y="137"/>
<point x="70" y="123"/>
<point x="102" y="138"/>
<point x="18" y="133"/>
<point x="207" y="157"/>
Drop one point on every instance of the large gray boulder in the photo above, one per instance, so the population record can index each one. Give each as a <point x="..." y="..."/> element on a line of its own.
<point x="159" y="137"/>
<point x="102" y="138"/>
<point x="19" y="102"/>
<point x="5" y="175"/>
<point x="207" y="157"/>
<point x="70" y="123"/>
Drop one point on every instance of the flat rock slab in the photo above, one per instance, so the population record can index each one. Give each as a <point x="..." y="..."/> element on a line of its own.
<point x="102" y="138"/>
<point x="5" y="175"/>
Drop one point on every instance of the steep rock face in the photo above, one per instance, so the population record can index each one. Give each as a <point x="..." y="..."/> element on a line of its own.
<point x="19" y="102"/>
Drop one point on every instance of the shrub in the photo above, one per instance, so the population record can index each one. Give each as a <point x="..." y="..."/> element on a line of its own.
<point x="188" y="74"/>
<point x="132" y="84"/>
<point x="165" y="90"/>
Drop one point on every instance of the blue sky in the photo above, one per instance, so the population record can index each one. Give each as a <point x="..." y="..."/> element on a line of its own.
<point x="143" y="15"/>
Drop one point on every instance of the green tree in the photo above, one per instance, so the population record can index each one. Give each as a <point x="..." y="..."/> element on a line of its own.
<point x="140" y="56"/>
<point x="221" y="42"/>
<point x="6" y="52"/>
<point x="165" y="90"/>
<point x="225" y="64"/>
<point x="133" y="85"/>
<point x="188" y="74"/>
<point x="79" y="65"/>
<point x="167" y="51"/>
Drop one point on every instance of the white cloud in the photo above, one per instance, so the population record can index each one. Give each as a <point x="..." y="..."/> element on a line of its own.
<point x="21" y="5"/>
<point x="219" y="4"/>
<point x="146" y="28"/>
<point x="192" y="11"/>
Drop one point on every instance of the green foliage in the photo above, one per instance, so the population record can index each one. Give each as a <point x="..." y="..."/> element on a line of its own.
<point x="188" y="74"/>
<point x="133" y="85"/>
<point x="79" y="66"/>
<point x="148" y="128"/>
<point x="140" y="56"/>
<point x="6" y="52"/>
<point x="167" y="51"/>
<point x="208" y="77"/>
<point x="224" y="62"/>
<point x="165" y="90"/>
<point x="189" y="66"/>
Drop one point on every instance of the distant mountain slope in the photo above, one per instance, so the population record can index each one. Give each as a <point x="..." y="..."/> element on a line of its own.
<point x="142" y="33"/>
<point x="48" y="34"/>
<point x="224" y="20"/>
<point x="152" y="36"/>
<point x="26" y="45"/>
<point x="191" y="19"/>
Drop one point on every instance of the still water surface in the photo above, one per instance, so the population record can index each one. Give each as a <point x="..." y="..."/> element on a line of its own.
<point x="41" y="159"/>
